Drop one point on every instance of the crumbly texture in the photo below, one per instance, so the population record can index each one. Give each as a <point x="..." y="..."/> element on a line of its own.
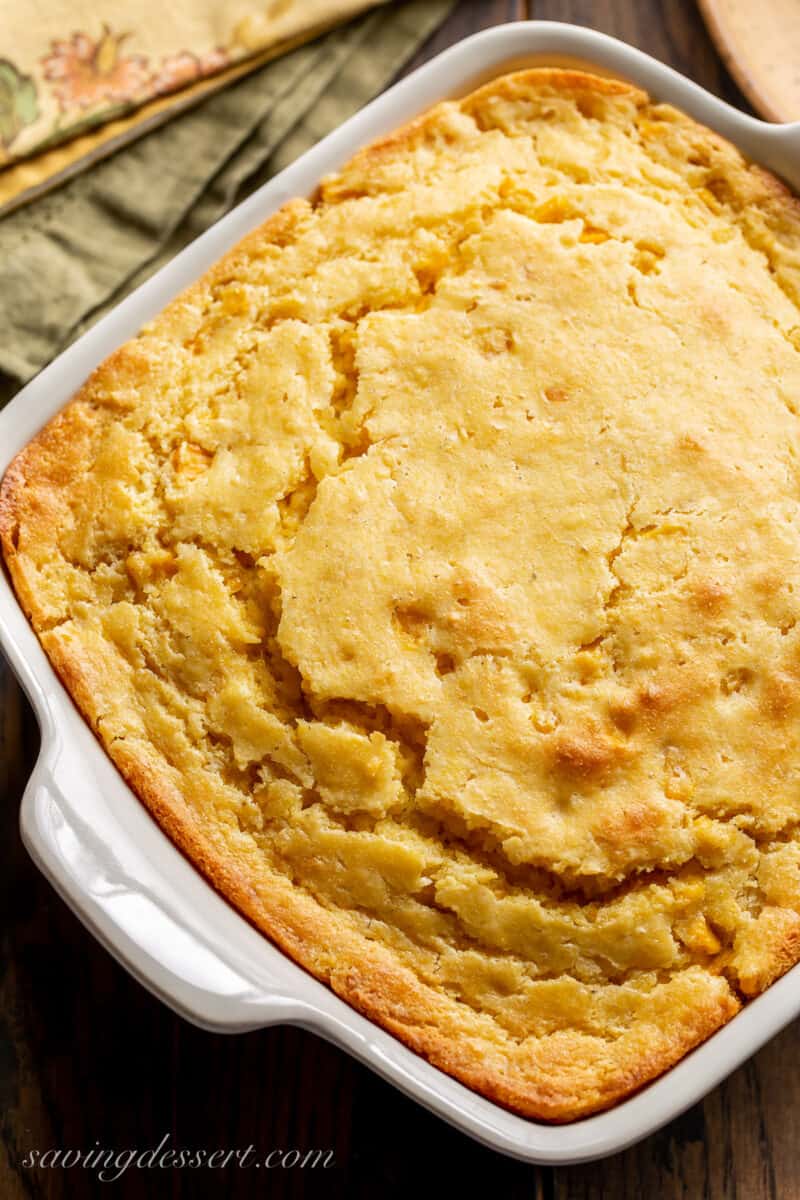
<point x="431" y="569"/>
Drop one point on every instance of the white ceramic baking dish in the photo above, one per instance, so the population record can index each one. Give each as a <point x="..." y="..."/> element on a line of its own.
<point x="110" y="861"/>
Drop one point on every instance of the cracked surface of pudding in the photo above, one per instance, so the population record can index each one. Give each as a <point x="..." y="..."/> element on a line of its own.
<point x="431" y="569"/>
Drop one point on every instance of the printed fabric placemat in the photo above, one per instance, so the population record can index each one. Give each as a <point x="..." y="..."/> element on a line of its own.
<point x="70" y="255"/>
<point x="78" y="78"/>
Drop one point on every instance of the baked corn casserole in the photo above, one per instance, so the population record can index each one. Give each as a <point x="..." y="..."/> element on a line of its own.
<point x="431" y="570"/>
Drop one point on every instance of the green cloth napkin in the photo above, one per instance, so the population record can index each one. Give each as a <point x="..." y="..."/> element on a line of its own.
<point x="68" y="257"/>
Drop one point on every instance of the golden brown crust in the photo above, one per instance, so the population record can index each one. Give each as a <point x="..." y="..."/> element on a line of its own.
<point x="553" y="1086"/>
<point x="553" y="965"/>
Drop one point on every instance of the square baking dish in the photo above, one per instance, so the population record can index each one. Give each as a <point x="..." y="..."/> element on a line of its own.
<point x="109" y="860"/>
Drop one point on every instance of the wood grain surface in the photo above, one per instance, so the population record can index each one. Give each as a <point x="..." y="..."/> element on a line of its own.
<point x="760" y="46"/>
<point x="88" y="1059"/>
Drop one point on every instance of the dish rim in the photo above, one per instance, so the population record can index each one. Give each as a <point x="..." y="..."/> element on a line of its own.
<point x="108" y="859"/>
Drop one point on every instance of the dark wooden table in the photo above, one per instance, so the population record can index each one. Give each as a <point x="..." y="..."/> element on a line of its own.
<point x="87" y="1058"/>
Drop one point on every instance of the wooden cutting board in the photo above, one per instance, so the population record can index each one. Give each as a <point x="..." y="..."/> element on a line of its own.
<point x="759" y="41"/>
